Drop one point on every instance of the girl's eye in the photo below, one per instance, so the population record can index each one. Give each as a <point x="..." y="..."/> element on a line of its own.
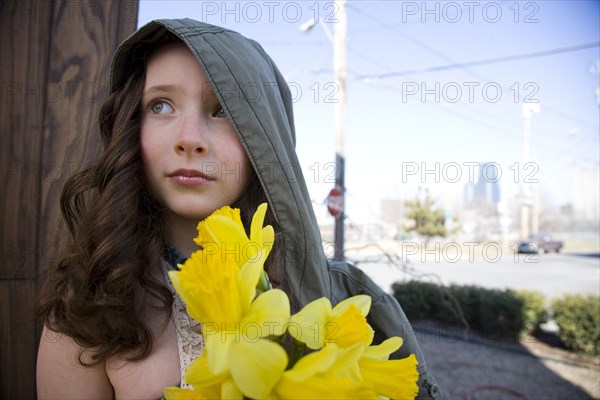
<point x="161" y="107"/>
<point x="220" y="113"/>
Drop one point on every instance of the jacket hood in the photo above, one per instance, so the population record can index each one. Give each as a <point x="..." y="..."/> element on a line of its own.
<point x="258" y="104"/>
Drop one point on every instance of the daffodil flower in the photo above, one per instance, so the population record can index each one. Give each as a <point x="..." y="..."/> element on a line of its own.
<point x="323" y="375"/>
<point x="223" y="386"/>
<point x="219" y="291"/>
<point x="226" y="223"/>
<point x="345" y="324"/>
<point x="357" y="371"/>
<point x="240" y="353"/>
<point x="219" y="285"/>
<point x="395" y="379"/>
<point x="215" y="271"/>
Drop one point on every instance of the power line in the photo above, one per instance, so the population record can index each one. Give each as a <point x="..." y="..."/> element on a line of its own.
<point x="488" y="61"/>
<point x="457" y="113"/>
<point x="551" y="148"/>
<point x="454" y="64"/>
<point x="396" y="29"/>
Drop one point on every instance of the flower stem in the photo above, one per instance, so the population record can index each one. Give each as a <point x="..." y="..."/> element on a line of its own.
<point x="263" y="282"/>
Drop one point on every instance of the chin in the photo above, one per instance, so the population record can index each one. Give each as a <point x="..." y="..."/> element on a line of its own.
<point x="195" y="215"/>
<point x="194" y="210"/>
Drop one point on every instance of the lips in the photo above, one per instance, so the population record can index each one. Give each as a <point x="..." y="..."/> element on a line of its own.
<point x="189" y="177"/>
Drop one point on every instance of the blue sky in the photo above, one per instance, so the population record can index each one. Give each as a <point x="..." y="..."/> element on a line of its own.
<point x="401" y="115"/>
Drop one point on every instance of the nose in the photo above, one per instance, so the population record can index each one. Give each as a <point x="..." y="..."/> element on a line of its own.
<point x="191" y="136"/>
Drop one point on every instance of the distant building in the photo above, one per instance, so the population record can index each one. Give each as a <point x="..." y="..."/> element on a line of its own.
<point x="486" y="191"/>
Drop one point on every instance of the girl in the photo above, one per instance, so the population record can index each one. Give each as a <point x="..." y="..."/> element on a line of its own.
<point x="199" y="117"/>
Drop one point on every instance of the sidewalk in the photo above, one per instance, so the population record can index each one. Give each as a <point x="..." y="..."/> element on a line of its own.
<point x="477" y="368"/>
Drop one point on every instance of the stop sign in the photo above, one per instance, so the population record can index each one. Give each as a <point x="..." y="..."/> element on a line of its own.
<point x="335" y="202"/>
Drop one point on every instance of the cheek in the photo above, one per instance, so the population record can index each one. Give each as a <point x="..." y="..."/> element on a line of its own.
<point x="150" y="163"/>
<point x="246" y="169"/>
<point x="150" y="150"/>
<point x="239" y="158"/>
<point x="235" y="156"/>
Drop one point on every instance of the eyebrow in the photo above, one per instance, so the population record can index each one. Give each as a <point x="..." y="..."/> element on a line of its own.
<point x="161" y="88"/>
<point x="171" y="88"/>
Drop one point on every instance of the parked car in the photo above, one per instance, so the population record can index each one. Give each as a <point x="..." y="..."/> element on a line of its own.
<point x="539" y="243"/>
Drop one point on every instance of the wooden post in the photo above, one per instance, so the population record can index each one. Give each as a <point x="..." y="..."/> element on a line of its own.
<point x="55" y="58"/>
<point x="339" y="66"/>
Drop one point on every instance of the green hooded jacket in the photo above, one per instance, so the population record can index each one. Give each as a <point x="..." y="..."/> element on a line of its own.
<point x="258" y="103"/>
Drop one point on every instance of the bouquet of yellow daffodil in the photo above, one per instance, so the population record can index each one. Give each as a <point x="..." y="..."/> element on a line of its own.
<point x="244" y="321"/>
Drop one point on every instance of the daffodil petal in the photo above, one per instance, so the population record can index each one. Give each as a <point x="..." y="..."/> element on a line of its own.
<point x="232" y="213"/>
<point x="209" y="289"/>
<point x="230" y="391"/>
<point x="256" y="227"/>
<point x="198" y="373"/>
<point x="346" y="360"/>
<point x="194" y="305"/>
<point x="362" y="301"/>
<point x="229" y="237"/>
<point x="175" y="393"/>
<point x="269" y="313"/>
<point x="217" y="347"/>
<point x="174" y="276"/>
<point x="308" y="325"/>
<point x="247" y="278"/>
<point x="323" y="388"/>
<point x="383" y="350"/>
<point x="224" y="227"/>
<point x="268" y="236"/>
<point x="222" y="223"/>
<point x="349" y="328"/>
<point x="257" y="366"/>
<point x="396" y="379"/>
<point x="314" y="363"/>
<point x="210" y="392"/>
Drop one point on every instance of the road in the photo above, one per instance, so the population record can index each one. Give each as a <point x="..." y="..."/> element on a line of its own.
<point x="552" y="274"/>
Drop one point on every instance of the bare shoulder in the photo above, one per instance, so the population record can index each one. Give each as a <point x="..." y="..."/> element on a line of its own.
<point x="147" y="378"/>
<point x="59" y="375"/>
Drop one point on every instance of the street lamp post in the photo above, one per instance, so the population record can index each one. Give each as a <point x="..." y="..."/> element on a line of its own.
<point x="339" y="66"/>
<point x="528" y="200"/>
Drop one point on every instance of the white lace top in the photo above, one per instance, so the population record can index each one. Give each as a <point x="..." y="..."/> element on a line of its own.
<point x="189" y="334"/>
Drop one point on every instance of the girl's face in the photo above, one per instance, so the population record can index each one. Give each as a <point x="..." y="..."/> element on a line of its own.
<point x="193" y="160"/>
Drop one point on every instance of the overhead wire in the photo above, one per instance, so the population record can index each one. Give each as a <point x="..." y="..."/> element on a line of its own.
<point x="465" y="66"/>
<point x="452" y="64"/>
<point x="494" y="60"/>
<point x="431" y="50"/>
<point x="455" y="112"/>
<point x="355" y="76"/>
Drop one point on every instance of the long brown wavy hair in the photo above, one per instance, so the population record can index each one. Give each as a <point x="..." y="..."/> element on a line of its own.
<point x="117" y="232"/>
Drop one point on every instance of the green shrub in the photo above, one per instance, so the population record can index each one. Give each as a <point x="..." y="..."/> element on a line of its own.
<point x="494" y="313"/>
<point x="578" y="318"/>
<point x="426" y="300"/>
<point x="422" y="297"/>
<point x="500" y="314"/>
<point x="535" y="312"/>
<point x="461" y="302"/>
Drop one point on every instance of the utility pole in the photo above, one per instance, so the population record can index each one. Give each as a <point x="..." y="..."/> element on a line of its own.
<point x="339" y="66"/>
<point x="336" y="198"/>
<point x="527" y="199"/>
